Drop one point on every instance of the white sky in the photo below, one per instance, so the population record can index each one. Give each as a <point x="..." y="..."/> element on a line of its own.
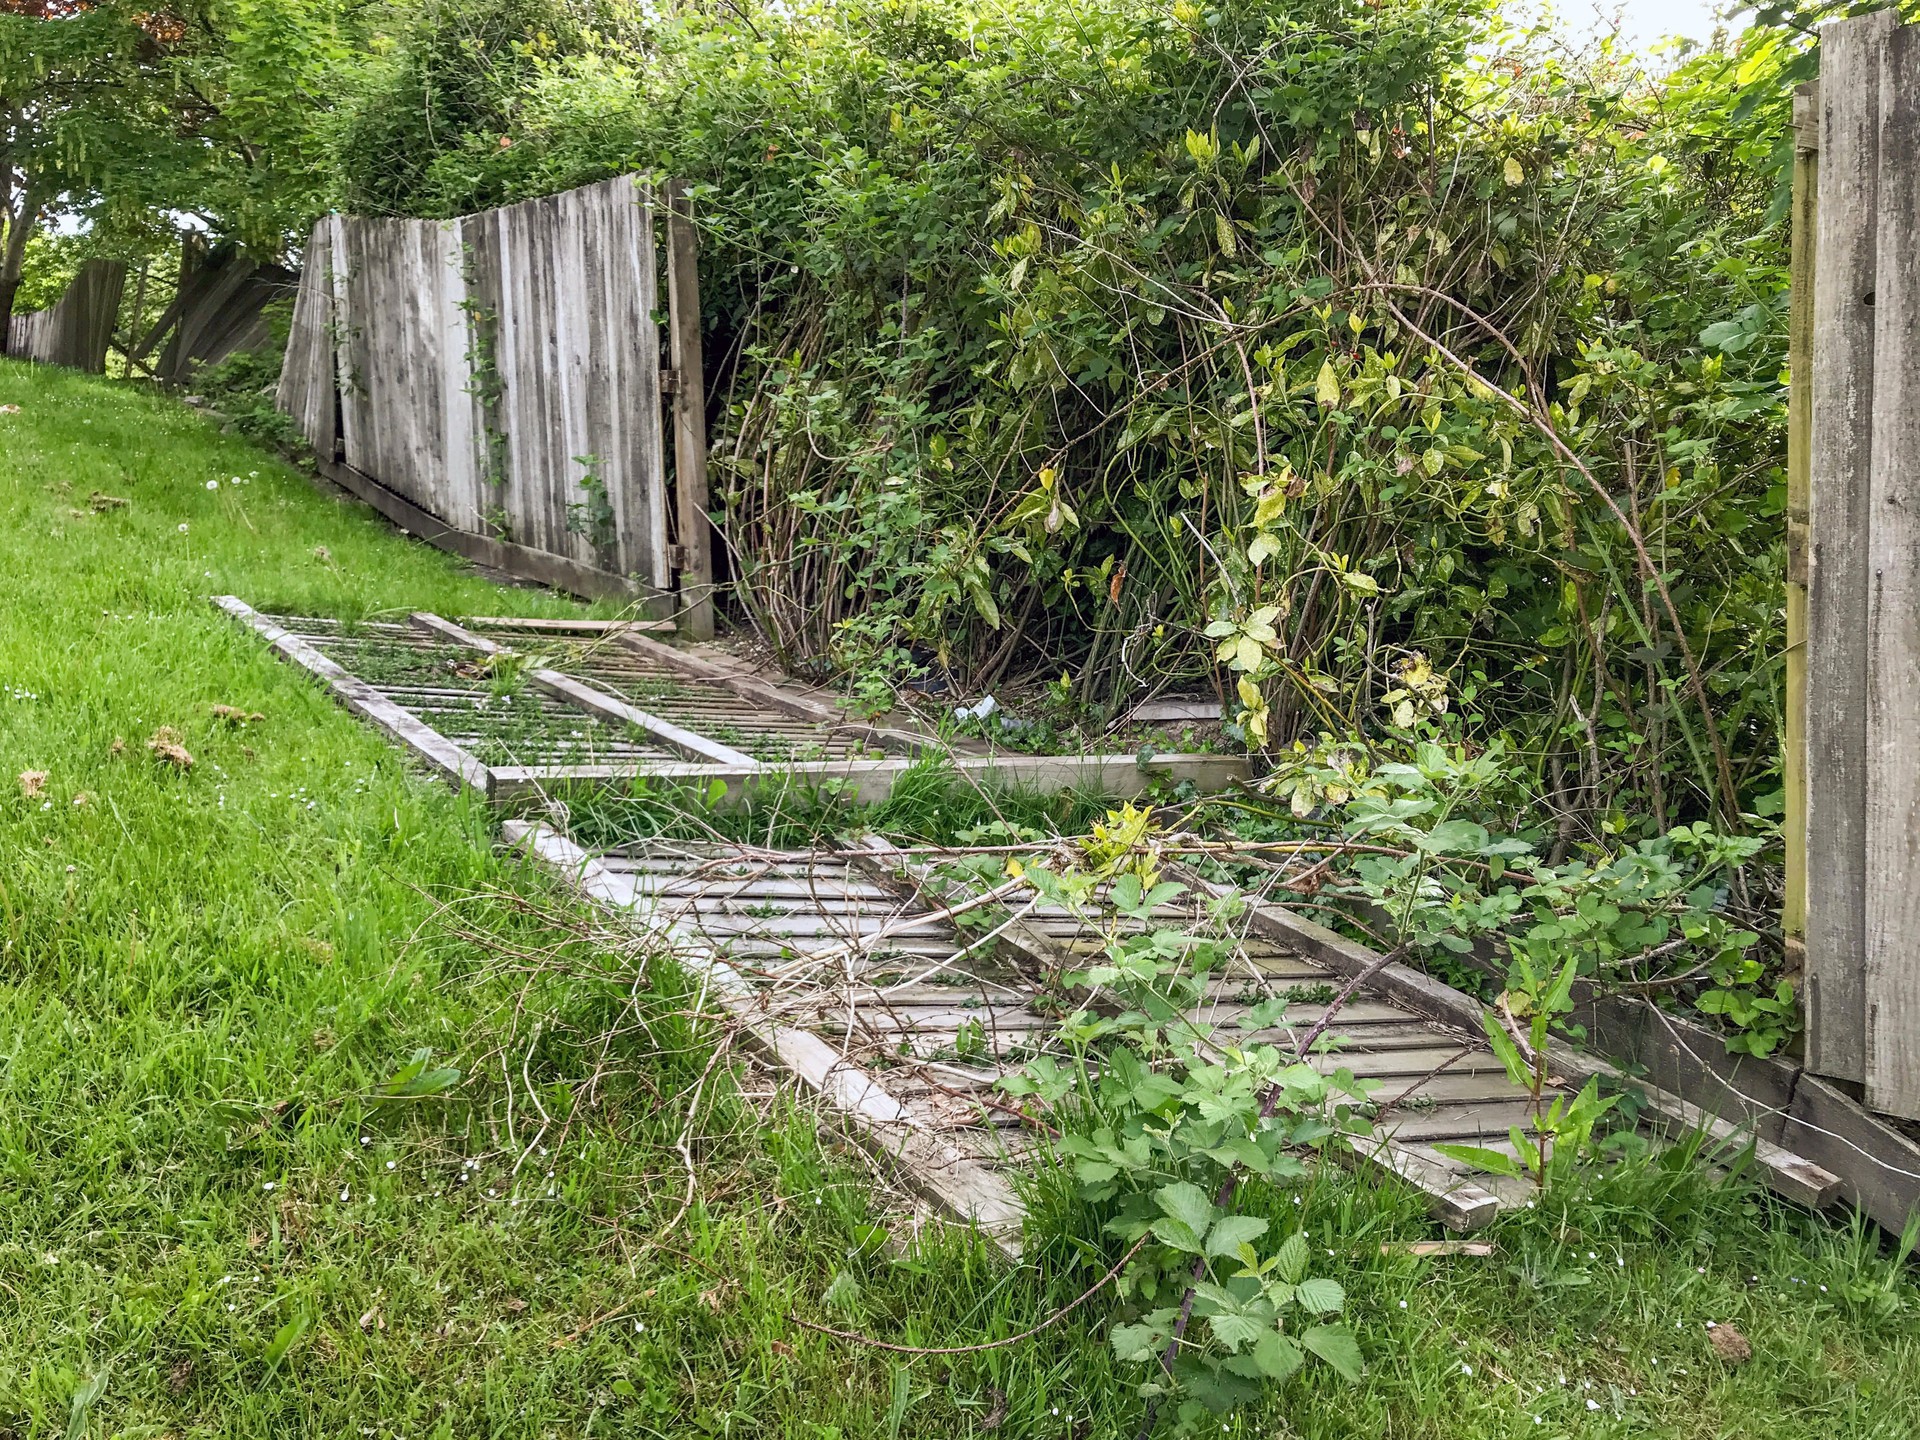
<point x="1644" y="21"/>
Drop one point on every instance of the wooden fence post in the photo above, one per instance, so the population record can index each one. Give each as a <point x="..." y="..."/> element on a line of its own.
<point x="689" y="415"/>
<point x="1892" y="955"/>
<point x="1839" y="464"/>
<point x="1793" y="769"/>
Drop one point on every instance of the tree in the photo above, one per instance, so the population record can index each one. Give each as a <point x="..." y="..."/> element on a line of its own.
<point x="122" y="111"/>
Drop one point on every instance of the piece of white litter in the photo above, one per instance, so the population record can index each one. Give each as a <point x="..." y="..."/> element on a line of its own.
<point x="268" y="1185"/>
<point x="1593" y="1404"/>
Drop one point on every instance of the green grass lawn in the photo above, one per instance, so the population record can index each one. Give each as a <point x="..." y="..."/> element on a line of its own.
<point x="212" y="1224"/>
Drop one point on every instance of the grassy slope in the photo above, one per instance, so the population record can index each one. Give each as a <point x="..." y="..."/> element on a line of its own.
<point x="181" y="954"/>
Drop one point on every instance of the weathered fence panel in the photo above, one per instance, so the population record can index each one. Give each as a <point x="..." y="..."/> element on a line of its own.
<point x="501" y="372"/>
<point x="76" y="329"/>
<point x="564" y="295"/>
<point x="405" y="412"/>
<point x="307" y="392"/>
<point x="1862" y="848"/>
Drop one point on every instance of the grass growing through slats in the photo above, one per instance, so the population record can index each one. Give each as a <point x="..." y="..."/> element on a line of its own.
<point x="213" y="1224"/>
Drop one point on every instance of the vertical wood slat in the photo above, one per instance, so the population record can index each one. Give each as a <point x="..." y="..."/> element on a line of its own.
<point x="689" y="416"/>
<point x="1892" y="971"/>
<point x="1806" y="183"/>
<point x="569" y="284"/>
<point x="306" y="386"/>
<point x="1843" y="399"/>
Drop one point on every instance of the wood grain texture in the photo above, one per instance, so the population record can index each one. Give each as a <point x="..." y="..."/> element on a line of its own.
<point x="1793" y="769"/>
<point x="694" y="530"/>
<point x="306" y="389"/>
<point x="408" y="418"/>
<point x="933" y="1165"/>
<point x="1838" y="512"/>
<point x="567" y="286"/>
<point x="76" y="329"/>
<point x="501" y="374"/>
<point x="1892" y="951"/>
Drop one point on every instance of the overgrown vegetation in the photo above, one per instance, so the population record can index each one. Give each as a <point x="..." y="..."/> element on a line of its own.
<point x="1368" y="355"/>
<point x="221" y="996"/>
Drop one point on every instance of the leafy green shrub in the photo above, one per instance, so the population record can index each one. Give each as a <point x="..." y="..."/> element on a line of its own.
<point x="1061" y="335"/>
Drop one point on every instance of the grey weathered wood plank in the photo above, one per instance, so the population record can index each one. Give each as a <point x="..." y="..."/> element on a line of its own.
<point x="570" y="626"/>
<point x="1892" y="950"/>
<point x="689" y="415"/>
<point x="1838" y="515"/>
<point x="306" y="389"/>
<point x="454" y="763"/>
<point x="577" y="692"/>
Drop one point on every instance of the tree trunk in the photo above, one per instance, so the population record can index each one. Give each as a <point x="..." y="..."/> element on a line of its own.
<point x="20" y="223"/>
<point x="9" y="287"/>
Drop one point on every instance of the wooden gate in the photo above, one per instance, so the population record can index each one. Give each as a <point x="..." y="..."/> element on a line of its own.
<point x="501" y="374"/>
<point x="1854" y="560"/>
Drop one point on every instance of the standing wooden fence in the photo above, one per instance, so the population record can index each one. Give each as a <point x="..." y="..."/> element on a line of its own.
<point x="75" y="329"/>
<point x="1854" y="679"/>
<point x="498" y="378"/>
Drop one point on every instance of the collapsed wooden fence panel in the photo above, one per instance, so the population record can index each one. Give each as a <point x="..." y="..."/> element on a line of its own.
<point x="1861" y="860"/>
<point x="501" y="372"/>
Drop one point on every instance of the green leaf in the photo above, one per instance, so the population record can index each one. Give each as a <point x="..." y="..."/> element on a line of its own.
<point x="84" y="1395"/>
<point x="288" y="1336"/>
<point x="1177" y="1233"/>
<point x="1277" y="1356"/>
<point x="1290" y="1260"/>
<point x="1236" y="1332"/>
<point x="1320" y="1295"/>
<point x="1137" y="1343"/>
<point x="1233" y="1231"/>
<point x="1335" y="1345"/>
<point x="1494" y="1162"/>
<point x="1186" y="1202"/>
<point x="842" y="1293"/>
<point x="1326" y="385"/>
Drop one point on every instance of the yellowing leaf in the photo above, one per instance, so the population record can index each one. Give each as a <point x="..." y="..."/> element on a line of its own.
<point x="1513" y="171"/>
<point x="1326" y="385"/>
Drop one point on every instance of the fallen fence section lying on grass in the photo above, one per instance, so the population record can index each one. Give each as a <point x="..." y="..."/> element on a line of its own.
<point x="937" y="1168"/>
<point x="859" y="956"/>
<point x="455" y="764"/>
<point x="608" y="712"/>
<point x="1787" y="1174"/>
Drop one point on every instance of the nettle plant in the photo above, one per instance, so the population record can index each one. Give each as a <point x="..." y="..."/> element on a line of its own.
<point x="1174" y="1124"/>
